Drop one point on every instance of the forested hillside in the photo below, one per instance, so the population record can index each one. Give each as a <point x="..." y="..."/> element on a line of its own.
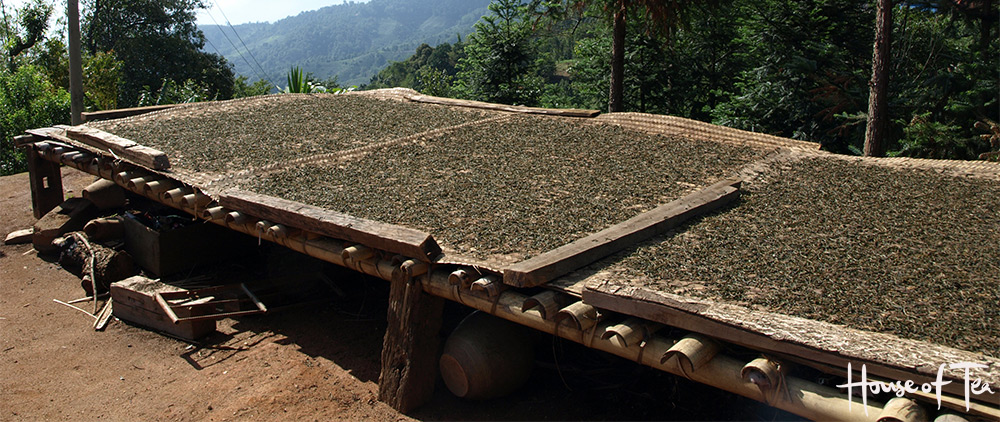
<point x="351" y="41"/>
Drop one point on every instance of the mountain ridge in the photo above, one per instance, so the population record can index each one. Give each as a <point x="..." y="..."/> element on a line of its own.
<point x="351" y="41"/>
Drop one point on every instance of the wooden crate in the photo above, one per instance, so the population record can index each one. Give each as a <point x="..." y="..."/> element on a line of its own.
<point x="162" y="253"/>
<point x="135" y="301"/>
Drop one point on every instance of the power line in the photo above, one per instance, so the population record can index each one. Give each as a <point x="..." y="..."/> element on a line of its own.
<point x="236" y="48"/>
<point x="241" y="39"/>
<point x="217" y="51"/>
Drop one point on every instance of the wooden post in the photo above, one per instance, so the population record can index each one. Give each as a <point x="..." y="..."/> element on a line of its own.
<point x="75" y="63"/>
<point x="411" y="345"/>
<point x="46" y="184"/>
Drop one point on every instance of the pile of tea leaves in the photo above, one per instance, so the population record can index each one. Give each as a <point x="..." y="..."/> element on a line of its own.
<point x="512" y="188"/>
<point x="250" y="133"/>
<point x="903" y="251"/>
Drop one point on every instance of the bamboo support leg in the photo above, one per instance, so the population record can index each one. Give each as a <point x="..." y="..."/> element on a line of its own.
<point x="46" y="184"/>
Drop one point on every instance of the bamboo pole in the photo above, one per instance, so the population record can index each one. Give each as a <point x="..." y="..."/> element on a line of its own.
<point x="139" y="183"/>
<point x="463" y="277"/>
<point x="631" y="331"/>
<point x="808" y="399"/>
<point x="548" y="303"/>
<point x="580" y="315"/>
<point x="491" y="285"/>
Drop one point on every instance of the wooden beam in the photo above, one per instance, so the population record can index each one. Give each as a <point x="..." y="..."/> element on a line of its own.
<point x="502" y="107"/>
<point x="387" y="237"/>
<point x="550" y="265"/>
<point x="94" y="116"/>
<point x="884" y="355"/>
<point x="119" y="146"/>
<point x="46" y="184"/>
<point x="411" y="345"/>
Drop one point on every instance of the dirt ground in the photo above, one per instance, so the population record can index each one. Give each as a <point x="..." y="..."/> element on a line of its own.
<point x="316" y="362"/>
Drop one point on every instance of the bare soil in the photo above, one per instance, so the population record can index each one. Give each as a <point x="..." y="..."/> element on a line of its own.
<point x="316" y="362"/>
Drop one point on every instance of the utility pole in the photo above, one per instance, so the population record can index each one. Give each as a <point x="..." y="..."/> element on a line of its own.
<point x="75" y="64"/>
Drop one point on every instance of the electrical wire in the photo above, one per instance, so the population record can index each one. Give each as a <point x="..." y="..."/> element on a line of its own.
<point x="235" y="47"/>
<point x="241" y="39"/>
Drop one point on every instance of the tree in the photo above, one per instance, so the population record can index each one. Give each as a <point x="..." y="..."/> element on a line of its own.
<point x="878" y="101"/>
<point x="27" y="100"/>
<point x="429" y="69"/>
<point x="500" y="63"/>
<point x="661" y="16"/>
<point x="31" y="23"/>
<point x="802" y="71"/>
<point x="102" y="74"/>
<point x="157" y="42"/>
<point x="243" y="88"/>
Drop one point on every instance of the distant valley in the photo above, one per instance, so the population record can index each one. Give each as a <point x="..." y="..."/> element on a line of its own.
<point x="352" y="41"/>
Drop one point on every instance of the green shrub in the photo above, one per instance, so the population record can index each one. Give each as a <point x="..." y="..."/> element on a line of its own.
<point x="27" y="101"/>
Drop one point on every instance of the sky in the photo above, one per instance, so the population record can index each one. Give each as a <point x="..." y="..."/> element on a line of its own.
<point x="243" y="11"/>
<point x="238" y="11"/>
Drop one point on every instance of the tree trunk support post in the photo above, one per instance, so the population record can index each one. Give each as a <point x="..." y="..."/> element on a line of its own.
<point x="46" y="184"/>
<point x="411" y="346"/>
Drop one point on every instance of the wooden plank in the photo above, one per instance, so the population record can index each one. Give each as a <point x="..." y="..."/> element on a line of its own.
<point x="387" y="237"/>
<point x="884" y="355"/>
<point x="47" y="133"/>
<point x="119" y="146"/>
<point x="45" y="178"/>
<point x="411" y="346"/>
<point x="550" y="265"/>
<point x="123" y="112"/>
<point x="503" y="107"/>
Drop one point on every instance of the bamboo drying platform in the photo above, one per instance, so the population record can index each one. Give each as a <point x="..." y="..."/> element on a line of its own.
<point x="480" y="201"/>
<point x="494" y="188"/>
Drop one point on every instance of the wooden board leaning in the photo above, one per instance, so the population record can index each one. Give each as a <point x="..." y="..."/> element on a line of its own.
<point x="388" y="237"/>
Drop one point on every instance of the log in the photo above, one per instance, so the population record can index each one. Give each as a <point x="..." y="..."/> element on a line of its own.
<point x="105" y="194"/>
<point x="410" y="348"/>
<point x="387" y="237"/>
<point x="104" y="229"/>
<point x="502" y="107"/>
<point x="550" y="265"/>
<point x="119" y="146"/>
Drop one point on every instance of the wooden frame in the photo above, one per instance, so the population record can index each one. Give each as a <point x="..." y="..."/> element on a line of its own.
<point x="553" y="264"/>
<point x="388" y="237"/>
<point x="164" y="298"/>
